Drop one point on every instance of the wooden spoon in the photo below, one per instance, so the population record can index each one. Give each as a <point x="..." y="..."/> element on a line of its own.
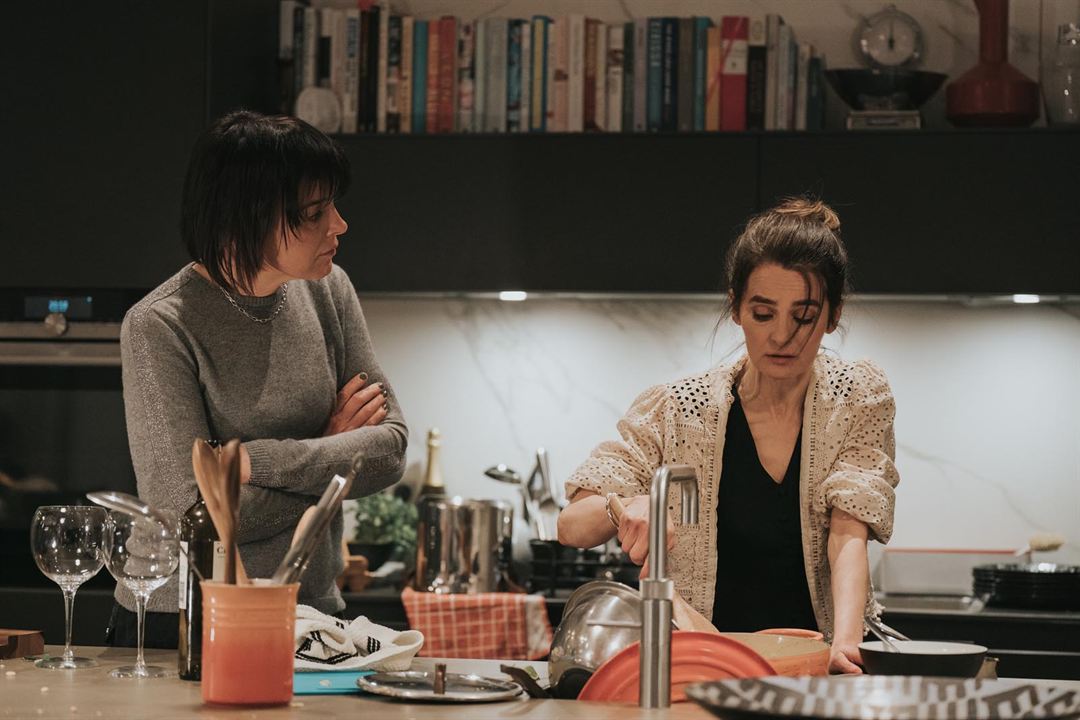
<point x="208" y="476"/>
<point x="684" y="614"/>
<point x="229" y="484"/>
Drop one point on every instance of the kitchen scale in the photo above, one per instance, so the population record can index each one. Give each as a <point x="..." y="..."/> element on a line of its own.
<point x="887" y="92"/>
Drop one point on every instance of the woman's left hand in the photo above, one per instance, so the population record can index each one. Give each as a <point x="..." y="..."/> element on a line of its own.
<point x="844" y="659"/>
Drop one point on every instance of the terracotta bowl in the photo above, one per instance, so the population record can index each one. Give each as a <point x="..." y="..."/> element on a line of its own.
<point x="788" y="655"/>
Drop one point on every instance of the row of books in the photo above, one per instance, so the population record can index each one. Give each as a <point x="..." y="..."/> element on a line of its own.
<point x="393" y="73"/>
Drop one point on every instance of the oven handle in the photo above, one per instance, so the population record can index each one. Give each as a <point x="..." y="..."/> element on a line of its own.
<point x="101" y="354"/>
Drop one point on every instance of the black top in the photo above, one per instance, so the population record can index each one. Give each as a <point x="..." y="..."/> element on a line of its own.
<point x="760" y="577"/>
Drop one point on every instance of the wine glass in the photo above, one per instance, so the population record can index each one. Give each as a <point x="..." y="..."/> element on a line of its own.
<point x="66" y="541"/>
<point x="141" y="553"/>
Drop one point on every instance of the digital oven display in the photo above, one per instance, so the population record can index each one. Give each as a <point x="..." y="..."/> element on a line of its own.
<point x="74" y="308"/>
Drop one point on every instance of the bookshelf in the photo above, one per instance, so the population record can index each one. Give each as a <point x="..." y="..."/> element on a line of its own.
<point x="103" y="143"/>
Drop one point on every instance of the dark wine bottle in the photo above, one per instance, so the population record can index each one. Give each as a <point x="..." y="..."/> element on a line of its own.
<point x="199" y="546"/>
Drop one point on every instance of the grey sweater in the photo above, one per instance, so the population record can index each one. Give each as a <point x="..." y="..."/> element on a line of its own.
<point x="195" y="367"/>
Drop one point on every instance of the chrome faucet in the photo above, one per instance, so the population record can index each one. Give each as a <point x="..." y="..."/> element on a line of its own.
<point x="657" y="591"/>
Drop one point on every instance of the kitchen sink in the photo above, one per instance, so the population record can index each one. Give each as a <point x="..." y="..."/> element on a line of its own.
<point x="943" y="603"/>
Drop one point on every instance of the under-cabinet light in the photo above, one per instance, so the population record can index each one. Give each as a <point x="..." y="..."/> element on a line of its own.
<point x="513" y="295"/>
<point x="1023" y="299"/>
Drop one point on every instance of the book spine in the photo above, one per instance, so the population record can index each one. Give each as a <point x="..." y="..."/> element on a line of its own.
<point x="540" y="71"/>
<point x="371" y="92"/>
<point x="299" y="15"/>
<point x="802" y="84"/>
<point x="784" y="101"/>
<point x="513" y="76"/>
<point x="615" y="68"/>
<point x="629" y="59"/>
<point x="669" y="79"/>
<point x="655" y="100"/>
<point x="351" y="77"/>
<point x="792" y="76"/>
<point x="641" y="74"/>
<point x="526" y="75"/>
<point x="599" y="71"/>
<point x="393" y="75"/>
<point x="559" y="74"/>
<point x="734" y="38"/>
<point x="364" y="71"/>
<point x="701" y="51"/>
<point x="589" y="101"/>
<point x="756" y="73"/>
<point x="286" y="56"/>
<point x="772" y="67"/>
<point x="448" y="73"/>
<point x="419" y="95"/>
<point x="466" y="87"/>
<point x="713" y="74"/>
<point x="408" y="32"/>
<point x="311" y="48"/>
<point x="383" y="68"/>
<point x="322" y="52"/>
<point x="432" y="100"/>
<point x="480" y="62"/>
<point x="575" y="103"/>
<point x="498" y="42"/>
<point x="684" y="84"/>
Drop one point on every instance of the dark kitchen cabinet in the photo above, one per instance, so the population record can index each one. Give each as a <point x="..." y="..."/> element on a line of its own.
<point x="602" y="213"/>
<point x="943" y="212"/>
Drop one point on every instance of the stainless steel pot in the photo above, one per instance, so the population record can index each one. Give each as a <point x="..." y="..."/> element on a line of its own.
<point x="462" y="546"/>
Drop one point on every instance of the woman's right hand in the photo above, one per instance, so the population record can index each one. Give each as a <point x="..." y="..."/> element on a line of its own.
<point x="357" y="405"/>
<point x="634" y="529"/>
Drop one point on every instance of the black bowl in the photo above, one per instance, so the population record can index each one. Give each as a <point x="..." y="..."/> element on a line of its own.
<point x="874" y="89"/>
<point x="918" y="657"/>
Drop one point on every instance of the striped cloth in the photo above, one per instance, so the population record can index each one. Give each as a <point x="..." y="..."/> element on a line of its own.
<point x="511" y="626"/>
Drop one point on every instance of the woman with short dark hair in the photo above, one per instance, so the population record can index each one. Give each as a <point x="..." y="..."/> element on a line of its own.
<point x="260" y="338"/>
<point x="793" y="449"/>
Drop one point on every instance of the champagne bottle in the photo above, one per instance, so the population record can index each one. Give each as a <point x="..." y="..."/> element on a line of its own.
<point x="433" y="482"/>
<point x="199" y="546"/>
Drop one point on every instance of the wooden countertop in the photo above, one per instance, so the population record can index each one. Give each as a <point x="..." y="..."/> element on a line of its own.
<point x="89" y="694"/>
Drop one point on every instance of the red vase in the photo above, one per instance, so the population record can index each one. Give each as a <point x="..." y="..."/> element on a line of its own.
<point x="993" y="93"/>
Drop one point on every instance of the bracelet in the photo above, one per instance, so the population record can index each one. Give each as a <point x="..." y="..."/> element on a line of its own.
<point x="610" y="513"/>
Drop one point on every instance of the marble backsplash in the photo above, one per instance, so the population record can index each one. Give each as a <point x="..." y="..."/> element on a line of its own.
<point x="988" y="398"/>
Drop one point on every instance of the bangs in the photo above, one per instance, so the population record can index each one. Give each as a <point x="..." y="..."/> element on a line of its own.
<point x="316" y="170"/>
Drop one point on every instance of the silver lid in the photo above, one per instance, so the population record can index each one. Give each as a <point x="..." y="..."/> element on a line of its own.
<point x="420" y="686"/>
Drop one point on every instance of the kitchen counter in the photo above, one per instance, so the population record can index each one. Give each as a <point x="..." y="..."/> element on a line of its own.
<point x="29" y="692"/>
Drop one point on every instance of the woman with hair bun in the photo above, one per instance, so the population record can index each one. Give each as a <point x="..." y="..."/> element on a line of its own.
<point x="794" y="451"/>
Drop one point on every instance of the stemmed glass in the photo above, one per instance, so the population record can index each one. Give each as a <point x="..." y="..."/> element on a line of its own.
<point x="141" y="553"/>
<point x="66" y="541"/>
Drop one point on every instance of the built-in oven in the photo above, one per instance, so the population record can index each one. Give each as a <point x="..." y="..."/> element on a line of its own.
<point x="62" y="431"/>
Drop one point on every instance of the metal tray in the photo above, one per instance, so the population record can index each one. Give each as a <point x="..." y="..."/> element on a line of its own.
<point x="420" y="686"/>
<point x="884" y="697"/>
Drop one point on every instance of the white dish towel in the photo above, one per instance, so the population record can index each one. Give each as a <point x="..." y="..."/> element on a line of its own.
<point x="326" y="643"/>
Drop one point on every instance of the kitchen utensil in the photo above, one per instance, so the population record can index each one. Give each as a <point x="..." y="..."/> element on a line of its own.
<point x="1040" y="542"/>
<point x="416" y="686"/>
<point x="885" y="639"/>
<point x="683" y="614"/>
<point x="248" y="643"/>
<point x="544" y="495"/>
<point x="527" y="682"/>
<point x="229" y="476"/>
<point x="695" y="657"/>
<point x="869" y="698"/>
<point x="295" y="561"/>
<point x="922" y="657"/>
<point x="530" y="508"/>
<point x="1039" y="586"/>
<point x="207" y="466"/>
<point x="462" y="545"/>
<point x="599" y="620"/>
<point x="787" y="654"/>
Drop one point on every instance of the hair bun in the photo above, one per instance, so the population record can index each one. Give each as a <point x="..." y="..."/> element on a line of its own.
<point x="814" y="210"/>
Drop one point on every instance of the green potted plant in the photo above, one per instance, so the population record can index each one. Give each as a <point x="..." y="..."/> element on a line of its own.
<point x="385" y="529"/>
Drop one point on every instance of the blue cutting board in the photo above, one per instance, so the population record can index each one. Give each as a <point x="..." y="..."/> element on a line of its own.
<point x="335" y="682"/>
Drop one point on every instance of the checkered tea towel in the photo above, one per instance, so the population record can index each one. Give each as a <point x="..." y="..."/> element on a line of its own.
<point x="485" y="625"/>
<point x="326" y="643"/>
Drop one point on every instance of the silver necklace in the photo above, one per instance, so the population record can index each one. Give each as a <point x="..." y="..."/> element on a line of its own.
<point x="249" y="316"/>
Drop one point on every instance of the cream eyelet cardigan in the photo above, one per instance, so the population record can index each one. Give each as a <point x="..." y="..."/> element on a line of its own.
<point x="847" y="462"/>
